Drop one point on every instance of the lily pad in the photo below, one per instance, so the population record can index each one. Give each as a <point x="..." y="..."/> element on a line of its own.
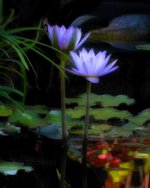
<point x="93" y="130"/>
<point x="107" y="113"/>
<point x="28" y="119"/>
<point x="103" y="100"/>
<point x="77" y="112"/>
<point x="11" y="168"/>
<point x="97" y="129"/>
<point x="54" y="118"/>
<point x="118" y="132"/>
<point x="99" y="113"/>
<point x="141" y="118"/>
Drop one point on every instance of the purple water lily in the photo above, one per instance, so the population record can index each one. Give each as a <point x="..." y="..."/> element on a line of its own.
<point x="66" y="39"/>
<point x="91" y="65"/>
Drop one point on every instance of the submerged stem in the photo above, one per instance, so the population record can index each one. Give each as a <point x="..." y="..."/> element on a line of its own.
<point x="85" y="136"/>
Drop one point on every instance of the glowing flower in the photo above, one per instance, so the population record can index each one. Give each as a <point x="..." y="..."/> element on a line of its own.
<point x="66" y="39"/>
<point x="91" y="65"/>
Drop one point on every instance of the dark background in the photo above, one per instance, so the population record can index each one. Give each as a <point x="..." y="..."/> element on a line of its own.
<point x="132" y="79"/>
<point x="133" y="76"/>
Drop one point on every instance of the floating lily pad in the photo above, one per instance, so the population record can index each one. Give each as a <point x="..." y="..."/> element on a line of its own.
<point x="99" y="113"/>
<point x="93" y="130"/>
<point x="11" y="168"/>
<point x="77" y="112"/>
<point x="107" y="113"/>
<point x="141" y="118"/>
<point x="97" y="129"/>
<point x="54" y="118"/>
<point x="103" y="100"/>
<point x="118" y="132"/>
<point x="28" y="119"/>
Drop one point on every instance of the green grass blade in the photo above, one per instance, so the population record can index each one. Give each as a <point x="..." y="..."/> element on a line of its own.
<point x="11" y="90"/>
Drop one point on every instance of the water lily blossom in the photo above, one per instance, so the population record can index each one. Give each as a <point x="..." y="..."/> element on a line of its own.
<point x="66" y="39"/>
<point x="91" y="65"/>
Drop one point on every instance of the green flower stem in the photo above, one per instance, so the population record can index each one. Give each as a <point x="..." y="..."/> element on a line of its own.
<point x="85" y="137"/>
<point x="64" y="128"/>
<point x="88" y="90"/>
<point x="63" y="103"/>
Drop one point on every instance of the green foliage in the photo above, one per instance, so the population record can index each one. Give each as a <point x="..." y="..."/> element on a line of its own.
<point x="103" y="100"/>
<point x="105" y="116"/>
<point x="77" y="112"/>
<point x="54" y="118"/>
<point x="5" y="111"/>
<point x="39" y="109"/>
<point x="11" y="168"/>
<point x="27" y="118"/>
<point x="140" y="118"/>
<point x="118" y="132"/>
<point x="99" y="113"/>
<point x="95" y="129"/>
<point x="15" y="61"/>
<point x="143" y="47"/>
<point x="107" y="113"/>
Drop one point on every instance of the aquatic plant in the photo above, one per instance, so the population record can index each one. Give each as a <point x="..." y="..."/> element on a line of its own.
<point x="65" y="40"/>
<point x="91" y="66"/>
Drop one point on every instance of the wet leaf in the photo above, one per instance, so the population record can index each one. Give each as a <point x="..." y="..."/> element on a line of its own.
<point x="125" y="31"/>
